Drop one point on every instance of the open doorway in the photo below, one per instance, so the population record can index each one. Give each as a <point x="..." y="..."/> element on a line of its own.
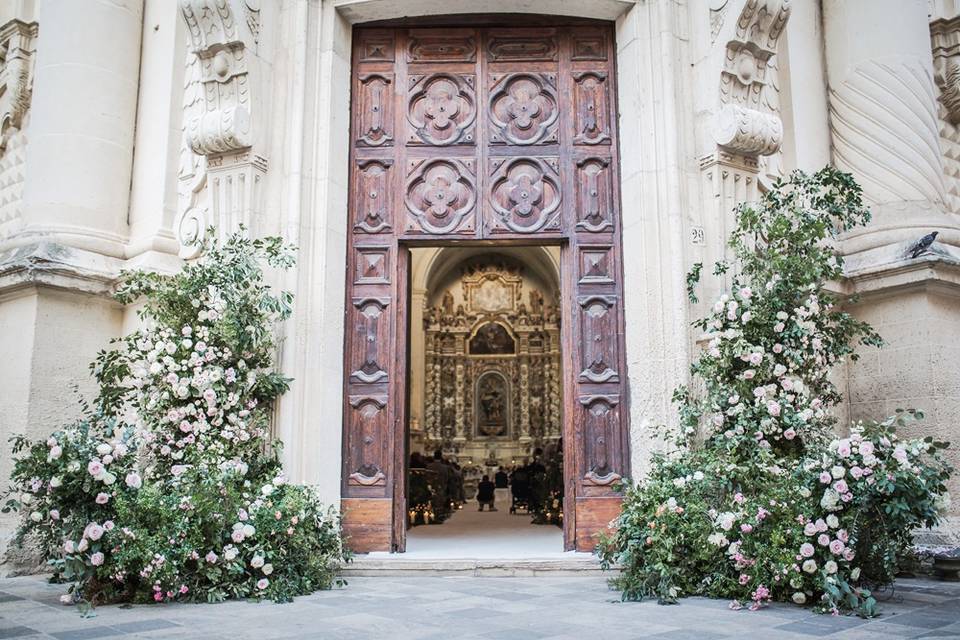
<point x="485" y="467"/>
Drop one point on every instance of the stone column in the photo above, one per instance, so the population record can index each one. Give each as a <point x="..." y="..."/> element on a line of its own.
<point x="884" y="125"/>
<point x="83" y="113"/>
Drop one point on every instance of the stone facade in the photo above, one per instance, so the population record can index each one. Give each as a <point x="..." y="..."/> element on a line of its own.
<point x="128" y="126"/>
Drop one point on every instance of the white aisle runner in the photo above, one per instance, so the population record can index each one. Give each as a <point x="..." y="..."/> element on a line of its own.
<point x="470" y="534"/>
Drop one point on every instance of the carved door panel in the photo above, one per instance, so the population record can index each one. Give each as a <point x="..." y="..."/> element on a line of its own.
<point x="483" y="133"/>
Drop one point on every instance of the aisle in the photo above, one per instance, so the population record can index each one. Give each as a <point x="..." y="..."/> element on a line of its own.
<point x="482" y="535"/>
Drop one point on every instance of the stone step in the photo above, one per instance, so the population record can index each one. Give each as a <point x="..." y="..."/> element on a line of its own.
<point x="385" y="565"/>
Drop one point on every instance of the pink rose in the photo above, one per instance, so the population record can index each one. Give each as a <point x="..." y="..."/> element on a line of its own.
<point x="54" y="514"/>
<point x="810" y="529"/>
<point x="836" y="547"/>
<point x="790" y="434"/>
<point x="821" y="525"/>
<point x="823" y="539"/>
<point x="108" y="525"/>
<point x="866" y="448"/>
<point x="807" y="550"/>
<point x="93" y="531"/>
<point x="211" y="557"/>
<point x="95" y="468"/>
<point x="825" y="477"/>
<point x="746" y="528"/>
<point x="748" y="374"/>
<point x="103" y="498"/>
<point x="262" y="584"/>
<point x="856" y="473"/>
<point x="843" y="536"/>
<point x="841" y="486"/>
<point x="96" y="559"/>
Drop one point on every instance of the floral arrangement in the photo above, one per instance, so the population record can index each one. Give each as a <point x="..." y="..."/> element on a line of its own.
<point x="170" y="486"/>
<point x="760" y="499"/>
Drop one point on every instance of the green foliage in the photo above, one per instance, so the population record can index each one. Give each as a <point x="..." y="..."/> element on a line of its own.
<point x="761" y="500"/>
<point x="170" y="486"/>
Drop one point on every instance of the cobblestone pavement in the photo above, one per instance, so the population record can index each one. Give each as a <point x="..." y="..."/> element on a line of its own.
<point x="457" y="607"/>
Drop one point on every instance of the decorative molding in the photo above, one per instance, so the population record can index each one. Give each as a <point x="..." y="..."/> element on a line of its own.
<point x="223" y="184"/>
<point x="17" y="48"/>
<point x="216" y="39"/>
<point x="747" y="121"/>
<point x="885" y="130"/>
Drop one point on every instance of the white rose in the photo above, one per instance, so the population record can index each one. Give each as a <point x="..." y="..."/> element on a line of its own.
<point x="36" y="516"/>
<point x="266" y="489"/>
<point x="108" y="478"/>
<point x="26" y="498"/>
<point x="830" y="566"/>
<point x="248" y="530"/>
<point x="256" y="562"/>
<point x="832" y="521"/>
<point x="104" y="448"/>
<point x="838" y="472"/>
<point x="799" y="597"/>
<point x="855" y="574"/>
<point x="267" y="569"/>
<point x="810" y="566"/>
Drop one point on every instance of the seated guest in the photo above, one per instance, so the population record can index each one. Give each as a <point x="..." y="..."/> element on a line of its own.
<point x="485" y="493"/>
<point x="500" y="478"/>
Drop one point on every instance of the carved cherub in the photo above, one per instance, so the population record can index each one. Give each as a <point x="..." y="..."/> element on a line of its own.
<point x="536" y="302"/>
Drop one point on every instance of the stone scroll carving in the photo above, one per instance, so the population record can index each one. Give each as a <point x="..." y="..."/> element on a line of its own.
<point x="523" y="108"/>
<point x="745" y="122"/>
<point x="217" y="40"/>
<point x="945" y="43"/>
<point x="218" y="122"/>
<point x="442" y="109"/>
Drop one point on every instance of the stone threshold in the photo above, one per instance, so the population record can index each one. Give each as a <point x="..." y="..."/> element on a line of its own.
<point x="365" y="566"/>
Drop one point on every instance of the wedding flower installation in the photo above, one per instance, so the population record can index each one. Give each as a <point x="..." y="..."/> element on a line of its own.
<point x="764" y="495"/>
<point x="169" y="487"/>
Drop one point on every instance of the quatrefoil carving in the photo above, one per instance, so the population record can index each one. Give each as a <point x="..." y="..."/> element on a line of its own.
<point x="524" y="108"/>
<point x="440" y="194"/>
<point x="525" y="195"/>
<point x="442" y="109"/>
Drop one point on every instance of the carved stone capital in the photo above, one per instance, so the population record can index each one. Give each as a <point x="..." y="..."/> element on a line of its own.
<point x="17" y="47"/>
<point x="748" y="131"/>
<point x="748" y="121"/>
<point x="221" y="44"/>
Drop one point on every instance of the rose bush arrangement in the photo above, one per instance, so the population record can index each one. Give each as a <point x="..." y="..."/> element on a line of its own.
<point x="170" y="485"/>
<point x="760" y="498"/>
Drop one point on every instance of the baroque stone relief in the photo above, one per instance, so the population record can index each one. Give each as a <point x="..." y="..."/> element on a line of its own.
<point x="748" y="119"/>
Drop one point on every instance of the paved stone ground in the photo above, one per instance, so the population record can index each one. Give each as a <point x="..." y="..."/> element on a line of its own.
<point x="446" y="608"/>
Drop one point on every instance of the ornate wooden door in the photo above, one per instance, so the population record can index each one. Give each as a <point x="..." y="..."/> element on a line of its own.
<point x="480" y="134"/>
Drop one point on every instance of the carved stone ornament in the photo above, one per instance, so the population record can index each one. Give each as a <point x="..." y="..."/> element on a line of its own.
<point x="218" y="41"/>
<point x="17" y="48"/>
<point x="748" y="131"/>
<point x="745" y="122"/>
<point x="945" y="42"/>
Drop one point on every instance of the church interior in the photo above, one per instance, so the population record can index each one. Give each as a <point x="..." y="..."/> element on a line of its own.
<point x="485" y="468"/>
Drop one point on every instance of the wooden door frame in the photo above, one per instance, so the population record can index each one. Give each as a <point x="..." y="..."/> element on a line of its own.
<point x="593" y="401"/>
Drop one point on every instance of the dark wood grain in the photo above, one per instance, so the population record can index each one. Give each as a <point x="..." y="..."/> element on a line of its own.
<point x="483" y="130"/>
